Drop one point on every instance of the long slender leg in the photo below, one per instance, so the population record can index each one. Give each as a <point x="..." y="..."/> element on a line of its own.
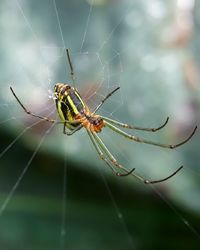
<point x="73" y="81"/>
<point x="42" y="117"/>
<point x="164" y="179"/>
<point x="112" y="159"/>
<point x="29" y="112"/>
<point x="71" y="67"/>
<point x="138" y="139"/>
<point x="124" y="125"/>
<point x="104" y="99"/>
<point x="100" y="152"/>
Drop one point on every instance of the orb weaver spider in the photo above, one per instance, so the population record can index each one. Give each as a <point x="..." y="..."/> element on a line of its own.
<point x="75" y="114"/>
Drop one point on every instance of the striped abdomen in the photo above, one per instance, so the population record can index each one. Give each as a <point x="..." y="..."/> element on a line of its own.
<point x="68" y="103"/>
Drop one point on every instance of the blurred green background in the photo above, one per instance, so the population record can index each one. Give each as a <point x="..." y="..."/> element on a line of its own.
<point x="55" y="193"/>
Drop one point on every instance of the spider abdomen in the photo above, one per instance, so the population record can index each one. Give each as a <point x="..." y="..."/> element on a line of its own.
<point x="69" y="103"/>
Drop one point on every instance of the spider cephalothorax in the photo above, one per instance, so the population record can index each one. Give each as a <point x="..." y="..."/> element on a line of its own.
<point x="93" y="123"/>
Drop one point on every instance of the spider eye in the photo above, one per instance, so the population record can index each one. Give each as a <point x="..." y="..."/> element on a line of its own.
<point x="97" y="121"/>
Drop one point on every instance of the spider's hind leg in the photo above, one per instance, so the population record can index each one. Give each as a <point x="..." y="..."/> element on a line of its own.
<point x="99" y="144"/>
<point x="111" y="165"/>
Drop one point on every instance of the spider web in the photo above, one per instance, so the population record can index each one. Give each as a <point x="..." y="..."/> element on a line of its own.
<point x="39" y="60"/>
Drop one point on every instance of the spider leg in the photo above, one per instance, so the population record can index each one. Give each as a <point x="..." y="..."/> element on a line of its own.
<point x="71" y="67"/>
<point x="164" y="179"/>
<point x="42" y="117"/>
<point x="96" y="140"/>
<point x="138" y="139"/>
<point x="29" y="112"/>
<point x="104" y="99"/>
<point x="124" y="125"/>
<point x="100" y="152"/>
<point x="156" y="181"/>
<point x="73" y="81"/>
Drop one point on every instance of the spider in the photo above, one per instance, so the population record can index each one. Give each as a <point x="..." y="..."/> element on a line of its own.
<point x="75" y="114"/>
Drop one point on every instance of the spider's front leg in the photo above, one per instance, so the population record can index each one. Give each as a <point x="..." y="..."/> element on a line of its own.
<point x="125" y="125"/>
<point x="138" y="139"/>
